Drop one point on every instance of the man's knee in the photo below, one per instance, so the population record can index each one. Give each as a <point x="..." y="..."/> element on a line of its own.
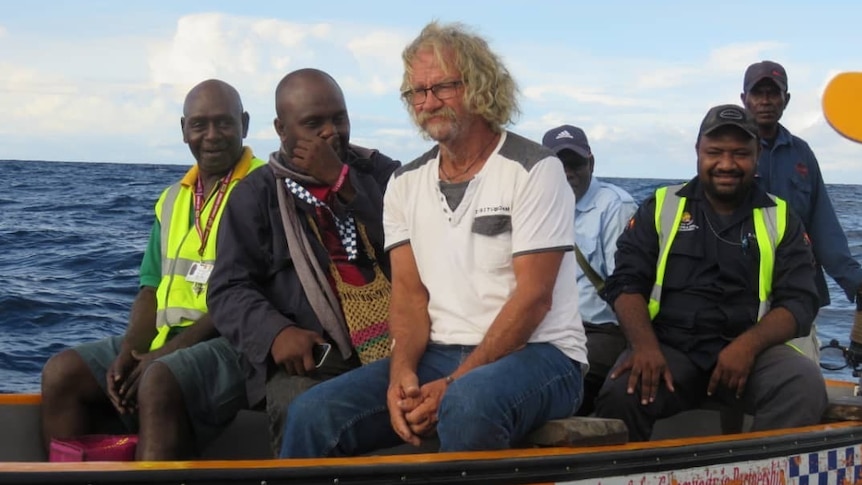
<point x="788" y="371"/>
<point x="463" y="404"/>
<point x="304" y="406"/>
<point x="613" y="396"/>
<point x="159" y="389"/>
<point x="65" y="374"/>
<point x="471" y="420"/>
<point x="805" y="381"/>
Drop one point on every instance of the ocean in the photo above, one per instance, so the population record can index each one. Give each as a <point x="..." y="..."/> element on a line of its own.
<point x="72" y="236"/>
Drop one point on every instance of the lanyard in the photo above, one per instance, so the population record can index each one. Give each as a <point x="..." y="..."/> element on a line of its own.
<point x="204" y="233"/>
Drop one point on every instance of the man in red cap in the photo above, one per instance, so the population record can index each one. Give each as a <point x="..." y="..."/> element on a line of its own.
<point x="788" y="168"/>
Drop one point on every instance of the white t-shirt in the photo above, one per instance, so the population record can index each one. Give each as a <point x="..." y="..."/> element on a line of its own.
<point x="519" y="203"/>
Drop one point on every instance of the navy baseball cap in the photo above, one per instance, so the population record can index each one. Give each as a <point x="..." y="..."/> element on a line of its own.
<point x="728" y="114"/>
<point x="764" y="70"/>
<point x="567" y="137"/>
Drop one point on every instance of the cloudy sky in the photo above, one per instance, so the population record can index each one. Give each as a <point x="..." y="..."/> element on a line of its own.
<point x="104" y="80"/>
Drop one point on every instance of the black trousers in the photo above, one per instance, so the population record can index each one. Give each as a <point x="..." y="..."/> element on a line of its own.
<point x="605" y="342"/>
<point x="784" y="389"/>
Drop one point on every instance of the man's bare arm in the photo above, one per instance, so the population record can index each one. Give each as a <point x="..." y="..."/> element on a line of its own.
<point x="410" y="328"/>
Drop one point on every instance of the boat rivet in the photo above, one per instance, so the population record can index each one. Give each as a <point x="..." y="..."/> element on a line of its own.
<point x="657" y="459"/>
<point x="263" y="482"/>
<point x="516" y="470"/>
<point x="568" y="468"/>
<point x="403" y="478"/>
<point x="463" y="474"/>
<point x="334" y="480"/>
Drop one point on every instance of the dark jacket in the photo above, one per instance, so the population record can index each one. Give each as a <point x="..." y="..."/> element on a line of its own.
<point x="789" y="170"/>
<point x="710" y="290"/>
<point x="254" y="292"/>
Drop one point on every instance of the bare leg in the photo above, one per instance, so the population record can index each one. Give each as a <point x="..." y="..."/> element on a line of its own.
<point x="71" y="398"/>
<point x="165" y="430"/>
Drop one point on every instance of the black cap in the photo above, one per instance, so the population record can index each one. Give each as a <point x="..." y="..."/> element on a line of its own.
<point x="728" y="115"/>
<point x="764" y="70"/>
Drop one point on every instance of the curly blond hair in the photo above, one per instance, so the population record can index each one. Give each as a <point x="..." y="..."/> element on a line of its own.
<point x="489" y="90"/>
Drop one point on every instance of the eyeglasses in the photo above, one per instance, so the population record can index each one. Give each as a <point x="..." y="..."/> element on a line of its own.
<point x="441" y="91"/>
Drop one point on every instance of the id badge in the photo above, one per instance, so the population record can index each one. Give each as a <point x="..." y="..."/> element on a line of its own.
<point x="199" y="273"/>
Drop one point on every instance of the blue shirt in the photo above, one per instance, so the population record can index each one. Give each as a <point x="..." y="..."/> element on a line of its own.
<point x="601" y="215"/>
<point x="789" y="170"/>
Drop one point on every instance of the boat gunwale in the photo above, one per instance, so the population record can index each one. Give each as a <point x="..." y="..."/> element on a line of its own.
<point x="524" y="465"/>
<point x="507" y="466"/>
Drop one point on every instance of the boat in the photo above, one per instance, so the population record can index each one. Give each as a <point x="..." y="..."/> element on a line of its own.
<point x="687" y="449"/>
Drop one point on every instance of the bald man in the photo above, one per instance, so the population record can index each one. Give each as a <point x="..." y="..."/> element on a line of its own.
<point x="171" y="377"/>
<point x="301" y="237"/>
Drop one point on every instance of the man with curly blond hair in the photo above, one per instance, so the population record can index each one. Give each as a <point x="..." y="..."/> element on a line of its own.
<point x="488" y="341"/>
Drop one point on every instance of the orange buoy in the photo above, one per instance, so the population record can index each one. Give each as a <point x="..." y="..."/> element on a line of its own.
<point x="842" y="105"/>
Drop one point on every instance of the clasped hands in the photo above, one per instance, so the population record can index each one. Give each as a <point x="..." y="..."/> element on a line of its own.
<point x="124" y="377"/>
<point x="413" y="409"/>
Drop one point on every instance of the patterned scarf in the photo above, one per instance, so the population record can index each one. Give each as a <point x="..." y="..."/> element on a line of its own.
<point x="346" y="225"/>
<point x="315" y="284"/>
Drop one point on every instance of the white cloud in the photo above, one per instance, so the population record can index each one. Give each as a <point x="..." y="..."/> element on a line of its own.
<point x="580" y="94"/>
<point x="665" y="77"/>
<point x="383" y="48"/>
<point x="3" y="31"/>
<point x="721" y="62"/>
<point x="265" y="134"/>
<point x="730" y="57"/>
<point x="253" y="54"/>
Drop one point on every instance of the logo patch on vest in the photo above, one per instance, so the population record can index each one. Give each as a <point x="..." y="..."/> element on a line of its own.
<point x="686" y="224"/>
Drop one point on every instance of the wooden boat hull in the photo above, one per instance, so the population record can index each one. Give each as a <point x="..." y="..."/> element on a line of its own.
<point x="827" y="453"/>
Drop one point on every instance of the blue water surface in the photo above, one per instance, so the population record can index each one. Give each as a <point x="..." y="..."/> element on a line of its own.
<point x="72" y="236"/>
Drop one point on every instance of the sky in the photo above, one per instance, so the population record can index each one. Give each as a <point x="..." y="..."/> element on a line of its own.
<point x="104" y="81"/>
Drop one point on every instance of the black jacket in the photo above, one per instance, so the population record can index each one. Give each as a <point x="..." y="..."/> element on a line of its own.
<point x="254" y="291"/>
<point x="710" y="290"/>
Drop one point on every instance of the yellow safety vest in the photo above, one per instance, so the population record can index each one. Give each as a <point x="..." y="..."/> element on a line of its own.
<point x="179" y="304"/>
<point x="769" y="226"/>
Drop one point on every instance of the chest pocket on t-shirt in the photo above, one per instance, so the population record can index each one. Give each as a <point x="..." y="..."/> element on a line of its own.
<point x="492" y="247"/>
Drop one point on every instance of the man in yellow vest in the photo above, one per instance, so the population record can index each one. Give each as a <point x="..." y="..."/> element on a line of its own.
<point x="711" y="279"/>
<point x="170" y="378"/>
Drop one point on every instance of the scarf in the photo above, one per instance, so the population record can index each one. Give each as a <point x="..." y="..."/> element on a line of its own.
<point x="323" y="300"/>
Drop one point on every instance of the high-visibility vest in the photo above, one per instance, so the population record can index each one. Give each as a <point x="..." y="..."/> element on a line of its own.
<point x="769" y="226"/>
<point x="179" y="302"/>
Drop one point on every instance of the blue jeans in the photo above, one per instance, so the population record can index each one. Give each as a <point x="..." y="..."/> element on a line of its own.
<point x="491" y="407"/>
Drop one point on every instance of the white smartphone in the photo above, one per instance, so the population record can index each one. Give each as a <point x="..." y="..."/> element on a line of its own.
<point x="320" y="352"/>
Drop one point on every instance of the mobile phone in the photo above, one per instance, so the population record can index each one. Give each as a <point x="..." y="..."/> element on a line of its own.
<point x="320" y="352"/>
